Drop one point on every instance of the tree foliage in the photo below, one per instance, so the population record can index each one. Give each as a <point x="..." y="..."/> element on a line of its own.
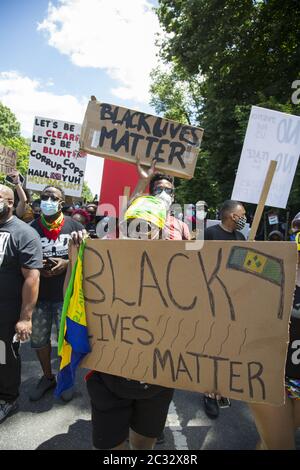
<point x="235" y="53"/>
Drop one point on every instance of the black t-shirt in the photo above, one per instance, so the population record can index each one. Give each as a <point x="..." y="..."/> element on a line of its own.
<point x="20" y="247"/>
<point x="292" y="368"/>
<point x="216" y="232"/>
<point x="51" y="289"/>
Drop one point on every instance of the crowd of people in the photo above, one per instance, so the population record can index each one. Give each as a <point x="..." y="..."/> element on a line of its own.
<point x="34" y="239"/>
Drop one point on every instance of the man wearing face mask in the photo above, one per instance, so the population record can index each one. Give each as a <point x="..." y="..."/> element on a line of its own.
<point x="20" y="261"/>
<point x="55" y="230"/>
<point x="233" y="220"/>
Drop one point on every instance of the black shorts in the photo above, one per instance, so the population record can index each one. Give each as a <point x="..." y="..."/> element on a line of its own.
<point x="114" y="415"/>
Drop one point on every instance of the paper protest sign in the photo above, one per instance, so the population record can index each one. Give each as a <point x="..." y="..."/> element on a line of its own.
<point x="55" y="157"/>
<point x="210" y="320"/>
<point x="123" y="134"/>
<point x="8" y="160"/>
<point x="271" y="135"/>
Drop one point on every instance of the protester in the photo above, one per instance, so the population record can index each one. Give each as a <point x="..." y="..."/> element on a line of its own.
<point x="36" y="208"/>
<point x="68" y="210"/>
<point x="54" y="229"/>
<point x="20" y="261"/>
<point x="275" y="236"/>
<point x="81" y="216"/>
<point x="233" y="219"/>
<point x="122" y="407"/>
<point x="277" y="424"/>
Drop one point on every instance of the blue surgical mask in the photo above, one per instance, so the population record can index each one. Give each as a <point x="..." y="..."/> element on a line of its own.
<point x="49" y="207"/>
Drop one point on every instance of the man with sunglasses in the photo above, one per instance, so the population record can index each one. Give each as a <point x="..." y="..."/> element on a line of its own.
<point x="55" y="230"/>
<point x="162" y="187"/>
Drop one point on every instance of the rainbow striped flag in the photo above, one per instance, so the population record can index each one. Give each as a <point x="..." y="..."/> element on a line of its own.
<point x="73" y="343"/>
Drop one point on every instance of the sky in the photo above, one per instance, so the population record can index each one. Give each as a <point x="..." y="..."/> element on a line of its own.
<point x="55" y="55"/>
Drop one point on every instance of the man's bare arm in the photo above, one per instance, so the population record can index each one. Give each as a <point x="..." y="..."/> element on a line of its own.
<point x="30" y="293"/>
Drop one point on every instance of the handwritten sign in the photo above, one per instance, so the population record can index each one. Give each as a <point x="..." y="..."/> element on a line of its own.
<point x="271" y="135"/>
<point x="123" y="134"/>
<point x="8" y="160"/>
<point x="55" y="157"/>
<point x="212" y="320"/>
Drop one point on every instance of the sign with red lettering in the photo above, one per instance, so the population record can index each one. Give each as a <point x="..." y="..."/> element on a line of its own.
<point x="55" y="157"/>
<point x="214" y="320"/>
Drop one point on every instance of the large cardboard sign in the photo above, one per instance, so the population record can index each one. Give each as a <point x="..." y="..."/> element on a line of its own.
<point x="271" y="135"/>
<point x="123" y="134"/>
<point x="55" y="157"/>
<point x="210" y="320"/>
<point x="8" y="160"/>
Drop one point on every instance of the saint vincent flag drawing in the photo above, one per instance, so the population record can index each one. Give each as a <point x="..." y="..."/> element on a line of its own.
<point x="73" y="343"/>
<point x="259" y="264"/>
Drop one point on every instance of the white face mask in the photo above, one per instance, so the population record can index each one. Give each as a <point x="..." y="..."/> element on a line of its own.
<point x="49" y="207"/>
<point x="201" y="215"/>
<point x="166" y="198"/>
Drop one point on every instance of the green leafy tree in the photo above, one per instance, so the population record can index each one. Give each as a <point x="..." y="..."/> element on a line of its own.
<point x="86" y="194"/>
<point x="247" y="53"/>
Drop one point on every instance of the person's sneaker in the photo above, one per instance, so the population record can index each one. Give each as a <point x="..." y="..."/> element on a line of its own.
<point x="67" y="395"/>
<point x="41" y="388"/>
<point x="7" y="409"/>
<point x="161" y="439"/>
<point x="211" y="407"/>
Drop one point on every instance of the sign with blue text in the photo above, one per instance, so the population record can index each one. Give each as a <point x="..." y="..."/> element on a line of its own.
<point x="55" y="157"/>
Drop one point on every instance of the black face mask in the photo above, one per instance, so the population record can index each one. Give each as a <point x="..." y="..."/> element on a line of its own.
<point x="36" y="216"/>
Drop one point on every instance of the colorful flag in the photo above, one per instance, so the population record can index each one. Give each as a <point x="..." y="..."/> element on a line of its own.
<point x="73" y="343"/>
<point x="260" y="264"/>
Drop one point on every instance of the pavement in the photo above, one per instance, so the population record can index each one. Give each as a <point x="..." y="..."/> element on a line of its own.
<point x="53" y="424"/>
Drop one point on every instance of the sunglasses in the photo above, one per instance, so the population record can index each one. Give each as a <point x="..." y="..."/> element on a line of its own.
<point x="159" y="190"/>
<point x="45" y="197"/>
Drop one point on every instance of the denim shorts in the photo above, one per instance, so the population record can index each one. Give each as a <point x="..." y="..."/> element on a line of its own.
<point x="45" y="313"/>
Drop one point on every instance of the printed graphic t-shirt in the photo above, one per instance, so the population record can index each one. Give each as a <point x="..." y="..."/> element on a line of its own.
<point x="51" y="288"/>
<point x="20" y="247"/>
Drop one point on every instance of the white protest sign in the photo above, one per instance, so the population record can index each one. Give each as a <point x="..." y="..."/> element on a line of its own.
<point x="271" y="135"/>
<point x="55" y="157"/>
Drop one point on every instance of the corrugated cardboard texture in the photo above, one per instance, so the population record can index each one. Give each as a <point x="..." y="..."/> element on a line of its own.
<point x="209" y="320"/>
<point x="122" y="134"/>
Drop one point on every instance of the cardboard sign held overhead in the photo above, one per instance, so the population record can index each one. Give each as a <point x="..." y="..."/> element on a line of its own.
<point x="123" y="134"/>
<point x="271" y="135"/>
<point x="209" y="320"/>
<point x="55" y="157"/>
<point x="8" y="160"/>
